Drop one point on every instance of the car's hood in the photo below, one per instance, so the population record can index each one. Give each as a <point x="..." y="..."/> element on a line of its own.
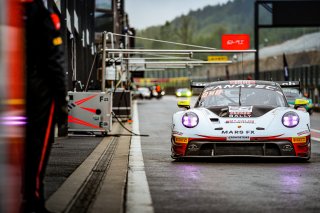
<point x="241" y="111"/>
<point x="261" y="117"/>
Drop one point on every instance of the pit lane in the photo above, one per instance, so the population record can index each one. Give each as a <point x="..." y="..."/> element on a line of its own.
<point x="223" y="185"/>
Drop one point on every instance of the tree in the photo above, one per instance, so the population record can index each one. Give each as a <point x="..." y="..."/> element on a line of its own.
<point x="185" y="30"/>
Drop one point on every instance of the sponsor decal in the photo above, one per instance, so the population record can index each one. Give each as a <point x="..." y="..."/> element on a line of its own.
<point x="193" y="148"/>
<point x="177" y="133"/>
<point x="238" y="138"/>
<point x="240" y="108"/>
<point x="242" y="82"/>
<point x="235" y="41"/>
<point x="212" y="93"/>
<point x="240" y="116"/>
<point x="287" y="148"/>
<point x="239" y="121"/>
<point x="299" y="140"/>
<point x="303" y="132"/>
<point x="242" y="85"/>
<point x="181" y="140"/>
<point x="237" y="132"/>
<point x="289" y="83"/>
<point x="217" y="58"/>
<point x="240" y="111"/>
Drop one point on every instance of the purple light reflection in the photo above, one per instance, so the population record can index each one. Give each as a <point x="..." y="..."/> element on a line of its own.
<point x="290" y="119"/>
<point x="190" y="120"/>
<point x="290" y="178"/>
<point x="187" y="172"/>
<point x="13" y="120"/>
<point x="187" y="121"/>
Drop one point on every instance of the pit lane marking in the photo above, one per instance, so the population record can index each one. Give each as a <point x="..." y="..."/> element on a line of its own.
<point x="138" y="193"/>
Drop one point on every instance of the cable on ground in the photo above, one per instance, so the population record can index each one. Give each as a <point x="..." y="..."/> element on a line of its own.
<point x="133" y="133"/>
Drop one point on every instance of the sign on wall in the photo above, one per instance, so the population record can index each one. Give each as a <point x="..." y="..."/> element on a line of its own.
<point x="235" y="42"/>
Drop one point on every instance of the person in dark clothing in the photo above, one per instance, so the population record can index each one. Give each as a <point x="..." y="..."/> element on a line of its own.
<point x="46" y="94"/>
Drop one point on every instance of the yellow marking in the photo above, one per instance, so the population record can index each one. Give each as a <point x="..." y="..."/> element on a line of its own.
<point x="181" y="140"/>
<point x="57" y="41"/>
<point x="184" y="102"/>
<point x="217" y="58"/>
<point x="299" y="140"/>
<point x="13" y="102"/>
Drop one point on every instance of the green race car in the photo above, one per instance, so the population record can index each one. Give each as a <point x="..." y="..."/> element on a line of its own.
<point x="292" y="94"/>
<point x="183" y="92"/>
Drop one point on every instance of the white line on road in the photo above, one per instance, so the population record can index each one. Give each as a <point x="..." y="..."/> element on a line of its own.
<point x="138" y="193"/>
<point x="315" y="139"/>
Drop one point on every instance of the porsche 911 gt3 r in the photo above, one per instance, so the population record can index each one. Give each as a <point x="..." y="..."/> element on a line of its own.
<point x="240" y="118"/>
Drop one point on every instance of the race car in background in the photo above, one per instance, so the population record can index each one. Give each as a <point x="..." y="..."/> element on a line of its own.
<point x="240" y="118"/>
<point x="183" y="92"/>
<point x="292" y="91"/>
<point x="144" y="92"/>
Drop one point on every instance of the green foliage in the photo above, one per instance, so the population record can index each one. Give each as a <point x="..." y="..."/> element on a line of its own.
<point x="206" y="26"/>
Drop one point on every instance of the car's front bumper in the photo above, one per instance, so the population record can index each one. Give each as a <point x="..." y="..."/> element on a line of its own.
<point x="207" y="148"/>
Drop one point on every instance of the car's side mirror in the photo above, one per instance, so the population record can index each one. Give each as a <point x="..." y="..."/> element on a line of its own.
<point x="298" y="103"/>
<point x="184" y="104"/>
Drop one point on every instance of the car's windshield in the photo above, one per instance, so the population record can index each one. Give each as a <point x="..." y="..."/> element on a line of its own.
<point x="183" y="90"/>
<point x="292" y="94"/>
<point x="215" y="96"/>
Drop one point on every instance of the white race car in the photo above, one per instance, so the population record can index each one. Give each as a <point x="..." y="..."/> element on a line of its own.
<point x="240" y="118"/>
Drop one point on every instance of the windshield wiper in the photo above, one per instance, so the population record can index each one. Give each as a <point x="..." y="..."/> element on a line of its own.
<point x="239" y="96"/>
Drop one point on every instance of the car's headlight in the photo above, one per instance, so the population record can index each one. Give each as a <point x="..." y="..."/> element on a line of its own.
<point x="190" y="119"/>
<point x="290" y="119"/>
<point x="189" y="93"/>
<point x="178" y="93"/>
